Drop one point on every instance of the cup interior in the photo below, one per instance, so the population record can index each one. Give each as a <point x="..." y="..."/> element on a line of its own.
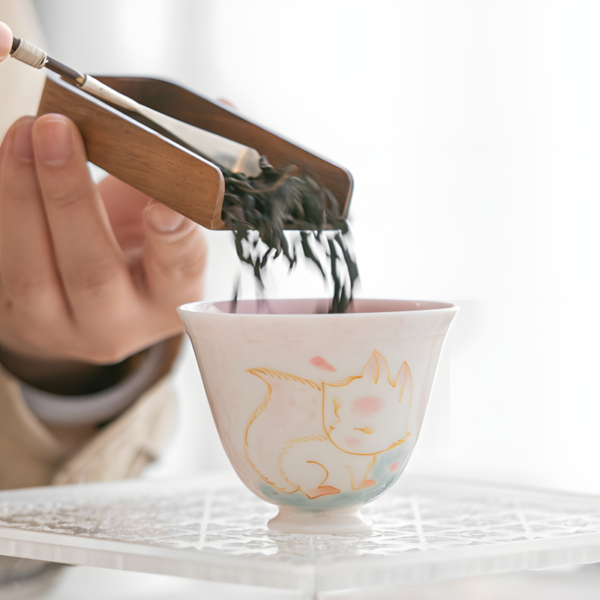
<point x="311" y="306"/>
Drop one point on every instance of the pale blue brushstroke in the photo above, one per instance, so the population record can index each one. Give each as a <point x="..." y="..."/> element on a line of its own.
<point x="380" y="473"/>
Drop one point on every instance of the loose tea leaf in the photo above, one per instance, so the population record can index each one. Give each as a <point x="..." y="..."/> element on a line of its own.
<point x="259" y="209"/>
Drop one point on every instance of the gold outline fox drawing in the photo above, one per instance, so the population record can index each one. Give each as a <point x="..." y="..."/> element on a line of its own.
<point x="343" y="426"/>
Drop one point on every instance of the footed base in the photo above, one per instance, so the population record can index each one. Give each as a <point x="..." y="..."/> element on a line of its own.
<point x="327" y="522"/>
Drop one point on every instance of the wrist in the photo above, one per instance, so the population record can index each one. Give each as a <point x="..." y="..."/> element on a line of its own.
<point x="66" y="377"/>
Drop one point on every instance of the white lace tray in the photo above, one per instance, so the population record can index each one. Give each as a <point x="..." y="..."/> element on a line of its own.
<point x="214" y="529"/>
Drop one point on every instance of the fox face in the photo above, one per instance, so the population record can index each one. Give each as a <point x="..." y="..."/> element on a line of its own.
<point x="368" y="414"/>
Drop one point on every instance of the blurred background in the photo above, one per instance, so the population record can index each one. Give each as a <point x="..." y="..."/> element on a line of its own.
<point x="472" y="130"/>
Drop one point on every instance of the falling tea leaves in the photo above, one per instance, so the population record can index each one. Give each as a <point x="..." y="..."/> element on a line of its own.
<point x="259" y="209"/>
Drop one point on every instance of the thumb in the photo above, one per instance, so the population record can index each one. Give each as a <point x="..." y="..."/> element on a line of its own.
<point x="174" y="257"/>
<point x="6" y="39"/>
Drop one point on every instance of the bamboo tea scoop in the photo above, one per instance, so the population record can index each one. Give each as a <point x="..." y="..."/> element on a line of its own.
<point x="168" y="142"/>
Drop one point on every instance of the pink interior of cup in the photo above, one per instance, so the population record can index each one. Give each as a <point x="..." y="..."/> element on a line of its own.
<point x="312" y="306"/>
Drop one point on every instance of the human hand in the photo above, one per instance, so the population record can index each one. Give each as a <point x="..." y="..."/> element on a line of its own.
<point x="88" y="273"/>
<point x="6" y="38"/>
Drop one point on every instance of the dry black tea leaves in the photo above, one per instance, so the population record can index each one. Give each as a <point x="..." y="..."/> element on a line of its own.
<point x="259" y="209"/>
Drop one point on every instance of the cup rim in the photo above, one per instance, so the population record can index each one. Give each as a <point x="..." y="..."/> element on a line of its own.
<point x="283" y="305"/>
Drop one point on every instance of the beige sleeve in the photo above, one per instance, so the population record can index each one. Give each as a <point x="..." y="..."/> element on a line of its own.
<point x="32" y="454"/>
<point x="21" y="85"/>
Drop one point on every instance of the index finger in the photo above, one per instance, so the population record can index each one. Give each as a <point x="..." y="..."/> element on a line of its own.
<point x="6" y="39"/>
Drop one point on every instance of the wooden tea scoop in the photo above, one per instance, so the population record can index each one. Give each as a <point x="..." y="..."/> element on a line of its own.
<point x="158" y="161"/>
<point x="231" y="155"/>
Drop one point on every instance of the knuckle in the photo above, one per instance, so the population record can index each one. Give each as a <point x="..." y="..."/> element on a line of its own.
<point x="188" y="263"/>
<point x="191" y="268"/>
<point x="63" y="197"/>
<point x="91" y="278"/>
<point x="25" y="282"/>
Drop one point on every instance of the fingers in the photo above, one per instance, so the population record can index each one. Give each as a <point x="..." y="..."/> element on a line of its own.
<point x="6" y="38"/>
<point x="89" y="259"/>
<point x="26" y="263"/>
<point x="65" y="287"/>
<point x="174" y="257"/>
<point x="125" y="206"/>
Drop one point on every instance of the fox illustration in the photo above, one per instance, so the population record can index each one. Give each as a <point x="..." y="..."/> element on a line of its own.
<point x="324" y="438"/>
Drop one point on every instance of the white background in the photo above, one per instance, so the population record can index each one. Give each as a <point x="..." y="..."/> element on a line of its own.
<point x="472" y="129"/>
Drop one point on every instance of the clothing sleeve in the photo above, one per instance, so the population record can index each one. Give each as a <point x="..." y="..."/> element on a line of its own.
<point x="97" y="408"/>
<point x="35" y="453"/>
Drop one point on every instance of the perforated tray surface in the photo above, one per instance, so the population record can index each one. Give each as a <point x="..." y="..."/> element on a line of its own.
<point x="213" y="528"/>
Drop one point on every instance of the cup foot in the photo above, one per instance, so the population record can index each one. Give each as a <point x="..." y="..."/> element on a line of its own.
<point x="327" y="522"/>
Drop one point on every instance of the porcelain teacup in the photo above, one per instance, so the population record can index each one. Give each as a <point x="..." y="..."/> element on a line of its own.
<point x="318" y="413"/>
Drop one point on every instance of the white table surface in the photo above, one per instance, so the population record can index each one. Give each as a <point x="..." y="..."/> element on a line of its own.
<point x="213" y="529"/>
<point x="577" y="583"/>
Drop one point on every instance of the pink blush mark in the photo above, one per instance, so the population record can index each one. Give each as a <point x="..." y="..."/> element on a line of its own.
<point x="321" y="363"/>
<point x="394" y="467"/>
<point x="352" y="442"/>
<point x="367" y="406"/>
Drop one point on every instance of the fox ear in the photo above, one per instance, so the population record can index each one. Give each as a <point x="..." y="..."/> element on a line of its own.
<point x="404" y="382"/>
<point x="371" y="371"/>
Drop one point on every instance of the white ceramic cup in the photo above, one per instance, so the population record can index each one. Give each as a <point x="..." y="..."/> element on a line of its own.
<point x="318" y="413"/>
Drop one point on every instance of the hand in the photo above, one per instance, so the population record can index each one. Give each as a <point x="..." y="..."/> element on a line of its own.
<point x="88" y="273"/>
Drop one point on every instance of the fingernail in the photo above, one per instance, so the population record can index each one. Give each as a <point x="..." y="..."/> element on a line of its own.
<point x="53" y="142"/>
<point x="163" y="219"/>
<point x="23" y="142"/>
